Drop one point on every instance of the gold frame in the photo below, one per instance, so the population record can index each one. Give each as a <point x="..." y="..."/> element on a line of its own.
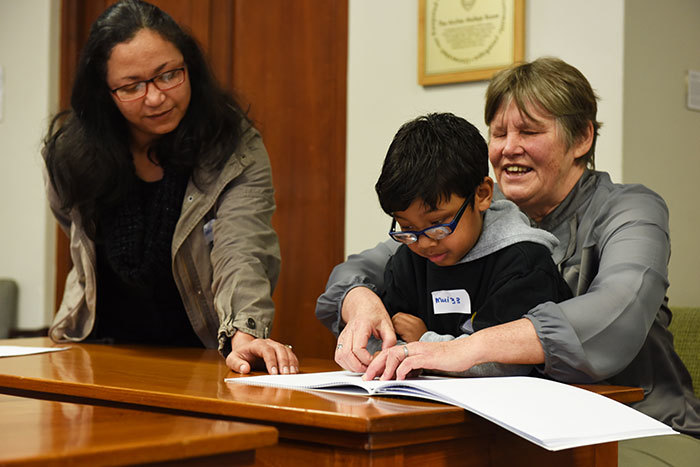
<point x="468" y="73"/>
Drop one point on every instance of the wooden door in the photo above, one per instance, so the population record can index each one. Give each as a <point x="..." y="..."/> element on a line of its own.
<point x="286" y="61"/>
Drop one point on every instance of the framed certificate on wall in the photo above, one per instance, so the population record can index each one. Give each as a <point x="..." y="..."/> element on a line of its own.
<point x="468" y="40"/>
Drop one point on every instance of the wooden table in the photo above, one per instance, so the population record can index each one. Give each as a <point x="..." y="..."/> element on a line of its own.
<point x="314" y="428"/>
<point x="49" y="433"/>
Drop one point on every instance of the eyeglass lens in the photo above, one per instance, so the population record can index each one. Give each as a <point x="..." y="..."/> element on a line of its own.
<point x="435" y="233"/>
<point x="163" y="82"/>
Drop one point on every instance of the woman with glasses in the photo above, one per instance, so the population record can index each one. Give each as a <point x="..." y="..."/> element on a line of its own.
<point x="165" y="189"/>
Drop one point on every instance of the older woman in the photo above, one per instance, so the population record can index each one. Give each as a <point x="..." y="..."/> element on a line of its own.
<point x="165" y="189"/>
<point x="613" y="253"/>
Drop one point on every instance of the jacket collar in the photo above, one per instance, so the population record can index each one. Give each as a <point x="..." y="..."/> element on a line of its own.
<point x="579" y="194"/>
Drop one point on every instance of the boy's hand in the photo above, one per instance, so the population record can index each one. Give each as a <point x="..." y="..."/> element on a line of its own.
<point x="409" y="327"/>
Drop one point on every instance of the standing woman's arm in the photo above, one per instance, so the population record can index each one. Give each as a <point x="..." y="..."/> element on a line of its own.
<point x="351" y="308"/>
<point x="245" y="259"/>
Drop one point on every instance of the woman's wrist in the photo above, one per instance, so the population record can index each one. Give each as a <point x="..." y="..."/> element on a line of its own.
<point x="512" y="342"/>
<point x="471" y="349"/>
<point x="359" y="300"/>
<point x="240" y="338"/>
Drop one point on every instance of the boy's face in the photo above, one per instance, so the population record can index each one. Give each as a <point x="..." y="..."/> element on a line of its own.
<point x="451" y="249"/>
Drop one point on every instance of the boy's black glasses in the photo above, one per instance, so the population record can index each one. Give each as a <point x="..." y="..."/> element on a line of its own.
<point x="164" y="81"/>
<point x="436" y="232"/>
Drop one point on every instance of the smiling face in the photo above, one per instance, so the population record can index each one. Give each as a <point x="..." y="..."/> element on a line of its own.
<point x="531" y="161"/>
<point x="146" y="55"/>
<point x="451" y="249"/>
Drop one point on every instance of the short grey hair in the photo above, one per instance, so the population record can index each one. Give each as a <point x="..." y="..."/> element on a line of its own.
<point x="555" y="86"/>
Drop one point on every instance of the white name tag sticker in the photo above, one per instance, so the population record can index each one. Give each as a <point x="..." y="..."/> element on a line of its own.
<point x="451" y="301"/>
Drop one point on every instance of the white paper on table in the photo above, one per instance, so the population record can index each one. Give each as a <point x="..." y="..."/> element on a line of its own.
<point x="18" y="350"/>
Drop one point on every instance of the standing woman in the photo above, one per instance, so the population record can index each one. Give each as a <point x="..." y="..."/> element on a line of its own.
<point x="165" y="190"/>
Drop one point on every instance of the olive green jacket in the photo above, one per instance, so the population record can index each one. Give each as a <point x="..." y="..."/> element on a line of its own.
<point x="225" y="277"/>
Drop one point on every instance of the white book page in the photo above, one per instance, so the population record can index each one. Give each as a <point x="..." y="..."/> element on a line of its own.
<point x="312" y="381"/>
<point x="550" y="414"/>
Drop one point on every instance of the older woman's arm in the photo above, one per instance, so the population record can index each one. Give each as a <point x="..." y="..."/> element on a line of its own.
<point x="245" y="261"/>
<point x="365" y="269"/>
<point x="626" y="249"/>
<point x="515" y="342"/>
<point x="351" y="308"/>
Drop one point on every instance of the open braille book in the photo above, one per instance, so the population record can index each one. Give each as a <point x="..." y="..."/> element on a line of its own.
<point x="552" y="415"/>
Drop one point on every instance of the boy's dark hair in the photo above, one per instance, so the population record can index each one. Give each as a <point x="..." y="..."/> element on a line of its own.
<point x="431" y="158"/>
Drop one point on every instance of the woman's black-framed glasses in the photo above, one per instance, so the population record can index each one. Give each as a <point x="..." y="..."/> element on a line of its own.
<point x="436" y="232"/>
<point x="164" y="81"/>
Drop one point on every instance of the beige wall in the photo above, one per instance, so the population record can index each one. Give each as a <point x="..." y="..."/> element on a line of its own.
<point x="29" y="58"/>
<point x="661" y="137"/>
<point x="383" y="91"/>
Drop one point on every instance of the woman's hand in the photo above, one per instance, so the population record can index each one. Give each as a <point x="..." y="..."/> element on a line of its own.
<point x="247" y="350"/>
<point x="515" y="342"/>
<point x="410" y="328"/>
<point x="398" y="362"/>
<point x="365" y="315"/>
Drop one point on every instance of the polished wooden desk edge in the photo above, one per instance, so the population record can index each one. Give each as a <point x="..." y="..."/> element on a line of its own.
<point x="437" y="415"/>
<point x="623" y="394"/>
<point x="366" y="441"/>
<point x="209" y="362"/>
<point x="49" y="432"/>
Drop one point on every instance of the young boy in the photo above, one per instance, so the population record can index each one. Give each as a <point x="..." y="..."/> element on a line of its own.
<point x="466" y="263"/>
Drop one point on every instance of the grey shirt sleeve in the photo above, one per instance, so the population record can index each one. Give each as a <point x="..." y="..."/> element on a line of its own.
<point x="365" y="269"/>
<point x="622" y="281"/>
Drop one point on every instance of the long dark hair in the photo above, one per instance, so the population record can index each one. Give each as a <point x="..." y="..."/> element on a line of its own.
<point x="86" y="149"/>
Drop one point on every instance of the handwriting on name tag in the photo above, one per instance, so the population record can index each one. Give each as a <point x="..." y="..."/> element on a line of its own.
<point x="451" y="301"/>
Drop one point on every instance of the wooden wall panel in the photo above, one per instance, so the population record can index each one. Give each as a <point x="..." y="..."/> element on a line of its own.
<point x="193" y="15"/>
<point x="220" y="48"/>
<point x="290" y="65"/>
<point x="286" y="62"/>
